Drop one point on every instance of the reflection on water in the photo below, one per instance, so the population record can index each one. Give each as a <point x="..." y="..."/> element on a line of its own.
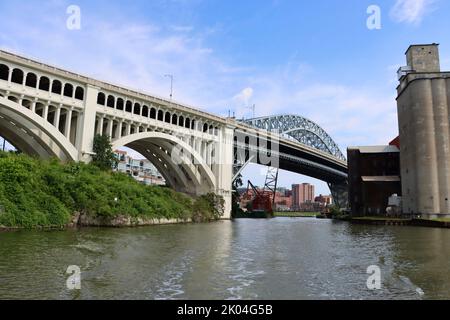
<point x="281" y="258"/>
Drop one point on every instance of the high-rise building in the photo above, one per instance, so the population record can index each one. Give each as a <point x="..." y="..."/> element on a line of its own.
<point x="302" y="193"/>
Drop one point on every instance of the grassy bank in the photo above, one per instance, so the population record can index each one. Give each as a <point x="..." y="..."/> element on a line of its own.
<point x="296" y="214"/>
<point x="36" y="193"/>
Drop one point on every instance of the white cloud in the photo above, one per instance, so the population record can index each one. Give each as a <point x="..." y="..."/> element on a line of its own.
<point x="411" y="11"/>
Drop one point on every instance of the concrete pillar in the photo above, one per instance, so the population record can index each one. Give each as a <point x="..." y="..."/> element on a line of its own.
<point x="45" y="113"/>
<point x="85" y="143"/>
<point x="119" y="128"/>
<point x="100" y="125"/>
<point x="109" y="127"/>
<point x="68" y="123"/>
<point x="128" y="129"/>
<point x="33" y="106"/>
<point x="224" y="174"/>
<point x="57" y="116"/>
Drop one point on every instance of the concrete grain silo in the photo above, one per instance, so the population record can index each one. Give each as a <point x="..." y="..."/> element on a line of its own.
<point x="423" y="111"/>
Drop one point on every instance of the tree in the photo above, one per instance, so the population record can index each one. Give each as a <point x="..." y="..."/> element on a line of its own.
<point x="235" y="195"/>
<point x="104" y="157"/>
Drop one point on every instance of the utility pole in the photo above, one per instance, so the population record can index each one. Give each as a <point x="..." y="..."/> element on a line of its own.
<point x="171" y="84"/>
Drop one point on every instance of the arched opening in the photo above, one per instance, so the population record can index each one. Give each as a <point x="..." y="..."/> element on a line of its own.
<point x="31" y="80"/>
<point x="152" y="113"/>
<point x="145" y="111"/>
<point x="205" y="127"/>
<point x="181" y="121"/>
<point x="211" y="129"/>
<point x="182" y="165"/>
<point x="101" y="98"/>
<point x="32" y="136"/>
<point x="216" y="131"/>
<point x="51" y="115"/>
<point x="120" y="104"/>
<point x="174" y="119"/>
<point x="4" y="72"/>
<point x="26" y="103"/>
<point x="44" y="84"/>
<point x="17" y="76"/>
<point x="56" y="87"/>
<point x="129" y="106"/>
<point x="68" y="90"/>
<point x="79" y="93"/>
<point x="142" y="164"/>
<point x="13" y="99"/>
<point x="160" y="115"/>
<point x="137" y="109"/>
<point x="111" y="102"/>
<point x="167" y="117"/>
<point x="193" y="124"/>
<point x="187" y="123"/>
<point x="39" y="109"/>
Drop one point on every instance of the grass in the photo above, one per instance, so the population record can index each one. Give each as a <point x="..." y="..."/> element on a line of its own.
<point x="36" y="193"/>
<point x="296" y="214"/>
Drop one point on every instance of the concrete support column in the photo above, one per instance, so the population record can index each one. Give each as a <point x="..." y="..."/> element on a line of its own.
<point x="128" y="129"/>
<point x="109" y="127"/>
<point x="100" y="125"/>
<point x="68" y="123"/>
<point x="33" y="106"/>
<point x="224" y="169"/>
<point x="57" y="116"/>
<point x="119" y="133"/>
<point x="85" y="138"/>
<point x="45" y="113"/>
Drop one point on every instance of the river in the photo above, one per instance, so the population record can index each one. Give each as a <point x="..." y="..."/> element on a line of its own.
<point x="282" y="258"/>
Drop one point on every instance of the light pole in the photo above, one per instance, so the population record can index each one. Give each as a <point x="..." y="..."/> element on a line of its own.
<point x="171" y="84"/>
<point x="253" y="108"/>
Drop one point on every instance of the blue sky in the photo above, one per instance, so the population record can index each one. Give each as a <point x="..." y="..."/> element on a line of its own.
<point x="313" y="58"/>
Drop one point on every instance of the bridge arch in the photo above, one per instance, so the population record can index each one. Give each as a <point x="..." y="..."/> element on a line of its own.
<point x="33" y="134"/>
<point x="300" y="129"/>
<point x="185" y="171"/>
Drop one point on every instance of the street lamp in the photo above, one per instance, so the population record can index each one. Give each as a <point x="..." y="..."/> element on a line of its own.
<point x="171" y="84"/>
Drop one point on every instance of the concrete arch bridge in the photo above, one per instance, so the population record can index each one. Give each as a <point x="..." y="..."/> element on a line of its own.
<point x="50" y="112"/>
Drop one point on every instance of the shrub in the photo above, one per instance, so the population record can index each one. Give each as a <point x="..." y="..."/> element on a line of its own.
<point x="46" y="193"/>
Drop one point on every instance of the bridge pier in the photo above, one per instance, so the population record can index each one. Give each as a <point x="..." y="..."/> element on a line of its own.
<point x="339" y="191"/>
<point x="86" y="127"/>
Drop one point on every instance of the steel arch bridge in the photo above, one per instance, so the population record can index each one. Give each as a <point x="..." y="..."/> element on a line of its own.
<point x="300" y="129"/>
<point x="320" y="157"/>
